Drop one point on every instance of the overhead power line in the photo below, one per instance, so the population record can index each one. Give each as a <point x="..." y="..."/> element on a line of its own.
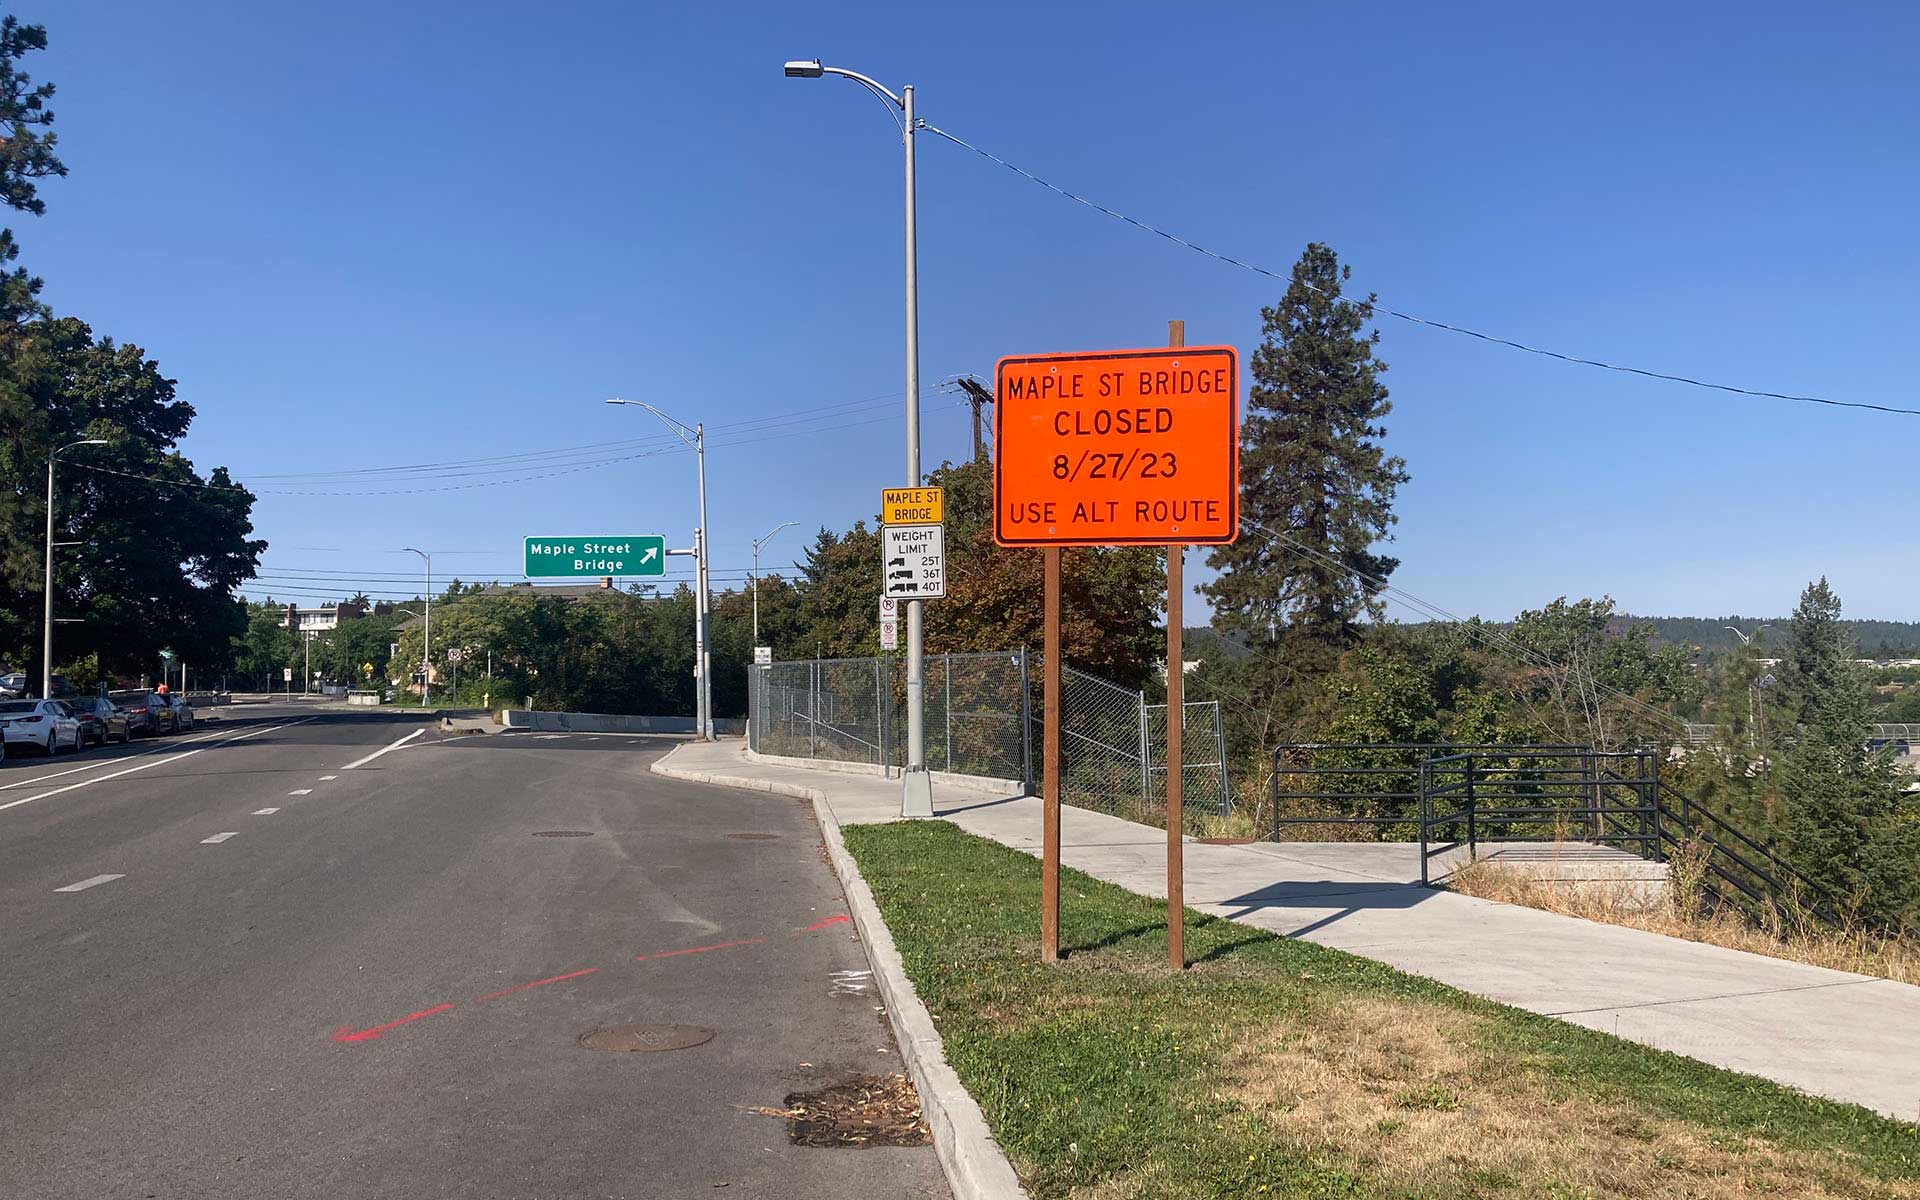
<point x="1414" y="318"/>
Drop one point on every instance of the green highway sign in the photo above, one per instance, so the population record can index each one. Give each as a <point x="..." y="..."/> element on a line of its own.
<point x="587" y="557"/>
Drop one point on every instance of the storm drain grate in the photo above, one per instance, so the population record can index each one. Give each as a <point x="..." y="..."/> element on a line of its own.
<point x="646" y="1038"/>
<point x="563" y="833"/>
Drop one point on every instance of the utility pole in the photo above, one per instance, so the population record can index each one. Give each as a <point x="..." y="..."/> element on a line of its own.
<point x="977" y="397"/>
<point x="916" y="798"/>
<point x="46" y="647"/>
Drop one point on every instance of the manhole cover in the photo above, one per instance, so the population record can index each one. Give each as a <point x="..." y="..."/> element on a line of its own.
<point x="564" y="833"/>
<point x="753" y="837"/>
<point x="646" y="1037"/>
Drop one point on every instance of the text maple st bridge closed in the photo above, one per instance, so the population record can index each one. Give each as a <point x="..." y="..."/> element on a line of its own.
<point x="1117" y="447"/>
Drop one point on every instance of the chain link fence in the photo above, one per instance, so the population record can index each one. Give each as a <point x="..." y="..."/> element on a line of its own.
<point x="983" y="717"/>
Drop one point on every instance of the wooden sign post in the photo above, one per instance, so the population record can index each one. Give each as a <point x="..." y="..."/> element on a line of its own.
<point x="1116" y="448"/>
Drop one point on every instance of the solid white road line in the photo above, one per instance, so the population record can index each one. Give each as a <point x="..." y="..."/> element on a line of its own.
<point x="158" y="762"/>
<point x="265" y="812"/>
<point x="301" y="792"/>
<point x="361" y="762"/>
<point x="84" y="884"/>
<point x="217" y="838"/>
<point x="324" y="778"/>
<point x="106" y="762"/>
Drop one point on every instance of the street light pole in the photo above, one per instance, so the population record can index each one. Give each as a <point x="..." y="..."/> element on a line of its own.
<point x="759" y="545"/>
<point x="426" y="632"/>
<point x="46" y="647"/>
<point x="917" y="792"/>
<point x="702" y="602"/>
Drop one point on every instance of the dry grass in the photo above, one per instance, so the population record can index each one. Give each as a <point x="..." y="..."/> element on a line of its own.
<point x="1622" y="903"/>
<point x="1417" y="1094"/>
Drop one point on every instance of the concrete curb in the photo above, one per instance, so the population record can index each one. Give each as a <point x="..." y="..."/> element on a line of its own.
<point x="972" y="783"/>
<point x="976" y="1168"/>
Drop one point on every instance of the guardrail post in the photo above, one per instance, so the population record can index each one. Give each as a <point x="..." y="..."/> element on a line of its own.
<point x="1653" y="793"/>
<point x="1426" y="814"/>
<point x="1473" y="817"/>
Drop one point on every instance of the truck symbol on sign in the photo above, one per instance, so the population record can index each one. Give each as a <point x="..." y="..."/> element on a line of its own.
<point x="899" y="575"/>
<point x="896" y="562"/>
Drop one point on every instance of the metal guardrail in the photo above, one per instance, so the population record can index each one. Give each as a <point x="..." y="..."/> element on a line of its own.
<point x="1383" y="778"/>
<point x="1609" y="798"/>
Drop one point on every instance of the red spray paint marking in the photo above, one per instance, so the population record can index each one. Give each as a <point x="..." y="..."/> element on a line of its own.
<point x="699" y="949"/>
<point x="819" y="925"/>
<point x="521" y="987"/>
<point x="346" y="1033"/>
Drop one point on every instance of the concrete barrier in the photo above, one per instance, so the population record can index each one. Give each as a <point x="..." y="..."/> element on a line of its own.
<point x="562" y="722"/>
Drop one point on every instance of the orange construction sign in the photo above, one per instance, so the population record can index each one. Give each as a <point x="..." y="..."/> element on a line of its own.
<point x="1117" y="448"/>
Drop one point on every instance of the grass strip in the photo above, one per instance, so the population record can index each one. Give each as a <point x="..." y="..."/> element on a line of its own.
<point x="1276" y="1067"/>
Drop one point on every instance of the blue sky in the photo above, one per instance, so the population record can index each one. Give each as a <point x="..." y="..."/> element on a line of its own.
<point x="372" y="235"/>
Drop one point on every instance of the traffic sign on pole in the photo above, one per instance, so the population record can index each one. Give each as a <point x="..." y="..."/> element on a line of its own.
<point x="1117" y="448"/>
<point x="913" y="562"/>
<point x="587" y="557"/>
<point x="912" y="506"/>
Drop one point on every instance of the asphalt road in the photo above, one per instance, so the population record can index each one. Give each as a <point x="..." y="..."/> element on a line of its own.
<point x="377" y="988"/>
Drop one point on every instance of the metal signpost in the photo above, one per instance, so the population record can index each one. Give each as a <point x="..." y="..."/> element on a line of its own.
<point x="912" y="569"/>
<point x="592" y="557"/>
<point x="1116" y="448"/>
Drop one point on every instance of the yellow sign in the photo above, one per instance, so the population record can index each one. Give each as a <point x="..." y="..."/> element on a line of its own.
<point x="912" y="506"/>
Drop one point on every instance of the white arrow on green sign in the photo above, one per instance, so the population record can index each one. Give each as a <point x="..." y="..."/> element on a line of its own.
<point x="587" y="557"/>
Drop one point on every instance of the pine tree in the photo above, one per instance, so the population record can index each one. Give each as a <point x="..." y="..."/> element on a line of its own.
<point x="1843" y="824"/>
<point x="1316" y="486"/>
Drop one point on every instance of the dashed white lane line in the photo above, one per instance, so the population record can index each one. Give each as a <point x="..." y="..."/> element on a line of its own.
<point x="265" y="812"/>
<point x="84" y="884"/>
<point x="361" y="762"/>
<point x="158" y="762"/>
<point x="301" y="792"/>
<point x="324" y="778"/>
<point x="217" y="838"/>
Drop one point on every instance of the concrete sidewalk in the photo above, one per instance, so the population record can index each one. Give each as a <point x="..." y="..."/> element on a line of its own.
<point x="1850" y="1037"/>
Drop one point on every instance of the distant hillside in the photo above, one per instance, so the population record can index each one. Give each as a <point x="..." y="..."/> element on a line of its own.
<point x="1876" y="639"/>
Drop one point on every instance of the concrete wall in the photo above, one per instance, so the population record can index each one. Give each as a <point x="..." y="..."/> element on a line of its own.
<point x="560" y="722"/>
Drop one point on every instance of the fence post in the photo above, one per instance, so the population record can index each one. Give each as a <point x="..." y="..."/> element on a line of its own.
<point x="948" y="668"/>
<point x="1473" y="829"/>
<point x="813" y="711"/>
<point x="1146" y="753"/>
<point x="1026" y="723"/>
<point x="1220" y="753"/>
<point x="882" y="702"/>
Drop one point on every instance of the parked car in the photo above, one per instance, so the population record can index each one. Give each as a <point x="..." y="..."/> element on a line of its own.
<point x="181" y="710"/>
<point x="47" y="724"/>
<point x="142" y="721"/>
<point x="101" y="720"/>
<point x="20" y="685"/>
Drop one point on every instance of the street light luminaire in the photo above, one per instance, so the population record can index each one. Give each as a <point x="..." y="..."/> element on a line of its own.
<point x="805" y="68"/>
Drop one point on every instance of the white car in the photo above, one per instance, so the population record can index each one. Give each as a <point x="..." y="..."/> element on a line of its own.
<point x="47" y="724"/>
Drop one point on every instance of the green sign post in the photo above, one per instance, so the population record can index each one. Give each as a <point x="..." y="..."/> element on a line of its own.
<point x="588" y="557"/>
